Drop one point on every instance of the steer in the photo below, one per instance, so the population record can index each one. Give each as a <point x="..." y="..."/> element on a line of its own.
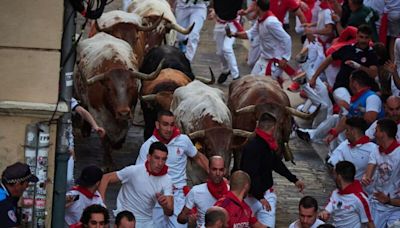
<point x="157" y="94"/>
<point x="251" y="96"/>
<point x="151" y="11"/>
<point x="107" y="81"/>
<point x="201" y="113"/>
<point x="125" y="26"/>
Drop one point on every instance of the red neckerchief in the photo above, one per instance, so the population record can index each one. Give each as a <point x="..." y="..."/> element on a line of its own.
<point x="175" y="132"/>
<point x="359" y="94"/>
<point x="390" y="148"/>
<point x="217" y="190"/>
<point x="265" y="16"/>
<point x="324" y="5"/>
<point x="363" y="140"/>
<point x="76" y="225"/>
<point x="163" y="171"/>
<point x="269" y="139"/>
<point x="354" y="187"/>
<point x="85" y="192"/>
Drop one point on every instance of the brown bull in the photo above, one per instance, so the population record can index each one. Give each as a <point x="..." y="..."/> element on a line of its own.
<point x="107" y="81"/>
<point x="151" y="11"/>
<point x="125" y="26"/>
<point x="251" y="96"/>
<point x="201" y="113"/>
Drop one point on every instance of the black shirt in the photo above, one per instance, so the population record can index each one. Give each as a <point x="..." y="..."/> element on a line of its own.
<point x="227" y="9"/>
<point x="366" y="57"/>
<point x="258" y="160"/>
<point x="8" y="209"/>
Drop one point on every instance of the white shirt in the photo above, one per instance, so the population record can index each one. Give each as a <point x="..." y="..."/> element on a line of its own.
<point x="201" y="198"/>
<point x="386" y="177"/>
<point x="73" y="213"/>
<point x="138" y="191"/>
<point x="179" y="148"/>
<point x="324" y="18"/>
<point x="373" y="104"/>
<point x="392" y="7"/>
<point x="297" y="224"/>
<point x="370" y="132"/>
<point x="358" y="155"/>
<point x="348" y="210"/>
<point x="275" y="42"/>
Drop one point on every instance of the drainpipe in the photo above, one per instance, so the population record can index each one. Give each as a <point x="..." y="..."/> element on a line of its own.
<point x="65" y="87"/>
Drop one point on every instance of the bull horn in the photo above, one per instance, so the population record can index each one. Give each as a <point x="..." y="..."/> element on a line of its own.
<point x="197" y="134"/>
<point x="179" y="28"/>
<point x="246" y="109"/>
<point x="151" y="76"/>
<point x="242" y="133"/>
<point x="288" y="154"/>
<point x="95" y="78"/>
<point x="151" y="27"/>
<point x="207" y="81"/>
<point x="303" y="115"/>
<point x="148" y="98"/>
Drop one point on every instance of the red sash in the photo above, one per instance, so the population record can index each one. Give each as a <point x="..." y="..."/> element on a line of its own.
<point x="363" y="140"/>
<point x="235" y="22"/>
<point x="217" y="190"/>
<point x="85" y="192"/>
<point x="288" y="69"/>
<point x="163" y="171"/>
<point x="175" y="133"/>
<point x="269" y="139"/>
<point x="390" y="148"/>
<point x="383" y="28"/>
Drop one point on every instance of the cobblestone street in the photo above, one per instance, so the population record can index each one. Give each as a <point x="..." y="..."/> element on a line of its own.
<point x="309" y="165"/>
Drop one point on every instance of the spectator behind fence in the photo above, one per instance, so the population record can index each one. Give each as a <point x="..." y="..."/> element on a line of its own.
<point x="308" y="213"/>
<point x="14" y="181"/>
<point x="216" y="217"/>
<point x="94" y="216"/>
<point x="125" y="219"/>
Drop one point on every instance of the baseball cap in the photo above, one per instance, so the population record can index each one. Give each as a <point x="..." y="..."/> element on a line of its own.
<point x="18" y="172"/>
<point x="90" y="175"/>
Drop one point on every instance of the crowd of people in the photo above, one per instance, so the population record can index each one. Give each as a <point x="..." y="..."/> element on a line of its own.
<point x="349" y="66"/>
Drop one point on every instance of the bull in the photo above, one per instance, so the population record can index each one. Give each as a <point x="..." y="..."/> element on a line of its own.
<point x="151" y="11"/>
<point x="107" y="82"/>
<point x="251" y="96"/>
<point x="157" y="94"/>
<point x="201" y="113"/>
<point x="125" y="26"/>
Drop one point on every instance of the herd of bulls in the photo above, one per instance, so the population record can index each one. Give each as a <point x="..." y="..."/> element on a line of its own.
<point x="129" y="57"/>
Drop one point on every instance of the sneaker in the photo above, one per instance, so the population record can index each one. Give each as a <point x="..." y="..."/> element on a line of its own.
<point x="238" y="77"/>
<point x="294" y="87"/>
<point x="303" y="135"/>
<point x="222" y="77"/>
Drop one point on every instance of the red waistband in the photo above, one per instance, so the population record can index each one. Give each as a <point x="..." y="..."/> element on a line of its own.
<point x="235" y="22"/>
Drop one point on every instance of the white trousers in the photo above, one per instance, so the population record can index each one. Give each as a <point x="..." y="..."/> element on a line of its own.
<point x="225" y="48"/>
<point x="70" y="173"/>
<point x="319" y="95"/>
<point x="170" y="221"/>
<point x="384" y="219"/>
<point x="125" y="4"/>
<point x="186" y="15"/>
<point x="263" y="216"/>
<point x="261" y="66"/>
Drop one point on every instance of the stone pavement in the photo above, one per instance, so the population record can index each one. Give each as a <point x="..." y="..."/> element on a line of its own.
<point x="309" y="166"/>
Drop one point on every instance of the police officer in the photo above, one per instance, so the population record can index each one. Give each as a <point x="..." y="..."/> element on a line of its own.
<point x="14" y="181"/>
